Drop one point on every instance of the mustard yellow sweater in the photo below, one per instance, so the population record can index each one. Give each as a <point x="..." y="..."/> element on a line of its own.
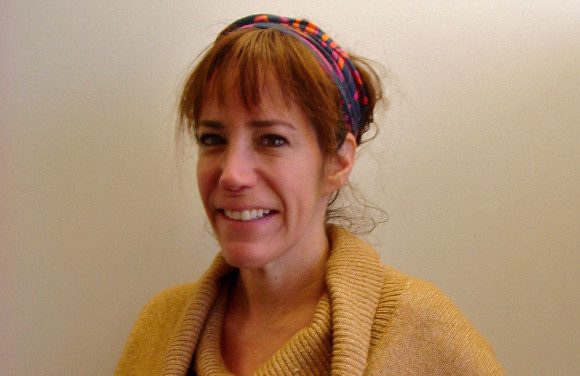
<point x="374" y="321"/>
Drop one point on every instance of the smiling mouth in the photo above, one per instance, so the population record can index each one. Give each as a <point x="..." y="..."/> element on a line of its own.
<point x="246" y="215"/>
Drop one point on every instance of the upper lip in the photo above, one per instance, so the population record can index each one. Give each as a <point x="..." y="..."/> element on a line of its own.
<point x="242" y="208"/>
<point x="240" y="204"/>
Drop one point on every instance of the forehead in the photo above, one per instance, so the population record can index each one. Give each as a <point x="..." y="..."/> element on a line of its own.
<point x="271" y="112"/>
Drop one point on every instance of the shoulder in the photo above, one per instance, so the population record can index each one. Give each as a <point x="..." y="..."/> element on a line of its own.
<point x="150" y="335"/>
<point x="434" y="316"/>
<point x="424" y="331"/>
<point x="169" y="300"/>
<point x="166" y="319"/>
<point x="163" y="311"/>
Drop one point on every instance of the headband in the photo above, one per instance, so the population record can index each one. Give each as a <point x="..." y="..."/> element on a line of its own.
<point x="333" y="59"/>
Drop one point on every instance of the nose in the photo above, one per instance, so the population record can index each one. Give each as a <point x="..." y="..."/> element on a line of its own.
<point x="237" y="169"/>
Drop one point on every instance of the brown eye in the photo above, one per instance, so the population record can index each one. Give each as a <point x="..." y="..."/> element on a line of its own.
<point x="210" y="139"/>
<point x="273" y="140"/>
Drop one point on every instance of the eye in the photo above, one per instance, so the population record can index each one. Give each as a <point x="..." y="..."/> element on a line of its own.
<point x="210" y="139"/>
<point x="273" y="140"/>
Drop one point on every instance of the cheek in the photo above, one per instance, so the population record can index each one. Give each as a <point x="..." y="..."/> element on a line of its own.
<point x="205" y="180"/>
<point x="308" y="179"/>
<point x="314" y="166"/>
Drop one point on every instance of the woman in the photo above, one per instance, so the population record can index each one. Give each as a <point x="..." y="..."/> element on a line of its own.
<point x="278" y="109"/>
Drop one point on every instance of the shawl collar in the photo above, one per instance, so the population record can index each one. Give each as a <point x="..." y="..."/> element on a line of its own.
<point x="355" y="278"/>
<point x="191" y="323"/>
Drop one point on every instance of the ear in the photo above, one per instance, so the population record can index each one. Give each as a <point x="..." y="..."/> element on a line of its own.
<point x="339" y="166"/>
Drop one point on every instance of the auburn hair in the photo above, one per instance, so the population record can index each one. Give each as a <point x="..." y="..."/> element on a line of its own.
<point x="244" y="61"/>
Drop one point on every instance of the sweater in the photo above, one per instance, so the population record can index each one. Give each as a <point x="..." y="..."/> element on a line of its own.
<point x="373" y="321"/>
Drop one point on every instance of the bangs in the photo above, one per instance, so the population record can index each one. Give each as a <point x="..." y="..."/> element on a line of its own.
<point x="247" y="64"/>
<point x="248" y="69"/>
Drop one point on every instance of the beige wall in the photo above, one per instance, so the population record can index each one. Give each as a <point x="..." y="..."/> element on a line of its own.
<point x="477" y="166"/>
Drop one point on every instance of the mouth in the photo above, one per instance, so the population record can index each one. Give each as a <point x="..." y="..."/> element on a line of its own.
<point x="246" y="215"/>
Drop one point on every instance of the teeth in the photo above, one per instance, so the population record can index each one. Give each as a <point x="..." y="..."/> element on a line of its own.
<point x="246" y="215"/>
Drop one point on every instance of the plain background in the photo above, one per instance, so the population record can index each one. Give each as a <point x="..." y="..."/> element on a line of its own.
<point x="476" y="165"/>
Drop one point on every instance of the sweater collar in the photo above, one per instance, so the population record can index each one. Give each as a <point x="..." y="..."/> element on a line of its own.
<point x="354" y="275"/>
<point x="187" y="334"/>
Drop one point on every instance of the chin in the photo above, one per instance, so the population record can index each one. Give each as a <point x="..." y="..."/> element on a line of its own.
<point x="245" y="256"/>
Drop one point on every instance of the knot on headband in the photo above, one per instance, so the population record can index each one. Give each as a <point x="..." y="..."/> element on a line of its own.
<point x="333" y="59"/>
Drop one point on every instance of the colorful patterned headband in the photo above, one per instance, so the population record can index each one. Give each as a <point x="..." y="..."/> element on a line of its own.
<point x="333" y="59"/>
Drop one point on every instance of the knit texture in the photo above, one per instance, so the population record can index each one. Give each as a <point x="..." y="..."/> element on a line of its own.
<point x="374" y="321"/>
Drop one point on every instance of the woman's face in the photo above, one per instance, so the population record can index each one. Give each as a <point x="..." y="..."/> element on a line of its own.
<point x="261" y="179"/>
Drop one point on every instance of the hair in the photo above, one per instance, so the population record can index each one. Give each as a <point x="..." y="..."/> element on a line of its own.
<point x="244" y="61"/>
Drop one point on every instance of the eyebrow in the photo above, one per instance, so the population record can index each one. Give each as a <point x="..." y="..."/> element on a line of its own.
<point x="254" y="123"/>
<point x="210" y="124"/>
